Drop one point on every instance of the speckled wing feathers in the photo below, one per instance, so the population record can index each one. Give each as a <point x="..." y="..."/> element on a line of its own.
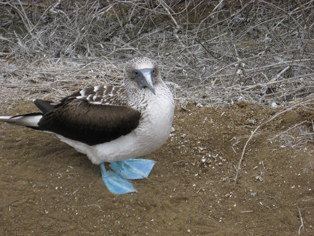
<point x="104" y="95"/>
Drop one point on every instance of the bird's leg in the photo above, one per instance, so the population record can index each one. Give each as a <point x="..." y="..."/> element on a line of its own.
<point x="115" y="183"/>
<point x="133" y="168"/>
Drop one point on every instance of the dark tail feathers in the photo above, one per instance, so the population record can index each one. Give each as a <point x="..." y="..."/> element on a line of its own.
<point x="44" y="106"/>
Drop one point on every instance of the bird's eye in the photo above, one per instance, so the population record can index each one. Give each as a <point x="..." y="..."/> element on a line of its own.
<point x="135" y="72"/>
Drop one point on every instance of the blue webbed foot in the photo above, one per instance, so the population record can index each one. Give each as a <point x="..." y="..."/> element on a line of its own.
<point x="133" y="168"/>
<point x="116" y="183"/>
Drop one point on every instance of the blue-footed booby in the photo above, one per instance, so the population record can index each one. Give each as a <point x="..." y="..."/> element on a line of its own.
<point x="112" y="124"/>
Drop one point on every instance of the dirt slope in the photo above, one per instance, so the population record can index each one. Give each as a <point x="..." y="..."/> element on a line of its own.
<point x="47" y="188"/>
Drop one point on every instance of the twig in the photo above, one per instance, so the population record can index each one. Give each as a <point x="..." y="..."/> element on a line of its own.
<point x="290" y="128"/>
<point x="249" y="211"/>
<point x="302" y="223"/>
<point x="166" y="7"/>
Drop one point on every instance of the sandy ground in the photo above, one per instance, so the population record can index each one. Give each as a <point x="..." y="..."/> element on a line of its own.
<point x="47" y="188"/>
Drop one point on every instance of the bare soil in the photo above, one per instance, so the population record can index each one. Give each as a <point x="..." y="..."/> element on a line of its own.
<point x="47" y="188"/>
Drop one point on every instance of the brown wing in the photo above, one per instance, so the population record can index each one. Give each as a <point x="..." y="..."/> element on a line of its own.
<point x="93" y="124"/>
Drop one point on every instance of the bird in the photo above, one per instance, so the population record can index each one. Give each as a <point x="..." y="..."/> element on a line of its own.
<point x="114" y="124"/>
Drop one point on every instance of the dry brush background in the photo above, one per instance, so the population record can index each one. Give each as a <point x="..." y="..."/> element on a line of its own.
<point x="210" y="51"/>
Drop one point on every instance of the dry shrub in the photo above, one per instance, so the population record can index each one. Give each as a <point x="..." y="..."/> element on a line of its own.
<point x="211" y="52"/>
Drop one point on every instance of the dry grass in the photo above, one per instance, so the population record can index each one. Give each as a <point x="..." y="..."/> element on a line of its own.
<point x="213" y="51"/>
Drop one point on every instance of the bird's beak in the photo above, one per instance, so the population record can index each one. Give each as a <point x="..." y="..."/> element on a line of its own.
<point x="144" y="78"/>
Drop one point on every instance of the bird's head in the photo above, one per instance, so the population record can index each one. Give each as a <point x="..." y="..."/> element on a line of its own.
<point x="143" y="73"/>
